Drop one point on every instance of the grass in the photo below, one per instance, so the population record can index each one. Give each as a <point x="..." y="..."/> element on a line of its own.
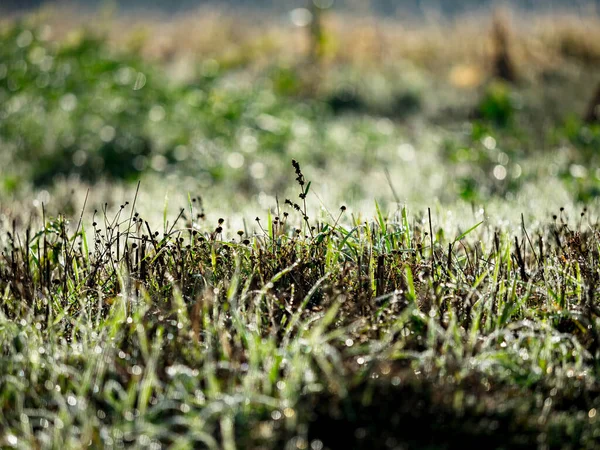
<point x="180" y="337"/>
<point x="422" y="310"/>
<point x="64" y="115"/>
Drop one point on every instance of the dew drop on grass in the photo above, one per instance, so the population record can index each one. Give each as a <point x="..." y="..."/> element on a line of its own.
<point x="406" y="152"/>
<point x="140" y="81"/>
<point x="68" y="102"/>
<point x="577" y="171"/>
<point x="235" y="160"/>
<point x="316" y="445"/>
<point x="500" y="172"/>
<point x="36" y="55"/>
<point x="524" y="354"/>
<point x="107" y="133"/>
<point x="489" y="142"/>
<point x="517" y="171"/>
<point x="125" y="75"/>
<point x="503" y="159"/>
<point x="258" y="170"/>
<point x="181" y="153"/>
<point x="301" y="443"/>
<point x="159" y="163"/>
<point x="386" y="369"/>
<point x="157" y="113"/>
<point x="24" y="39"/>
<point x="301" y="17"/>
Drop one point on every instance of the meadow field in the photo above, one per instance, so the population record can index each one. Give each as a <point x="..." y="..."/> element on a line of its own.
<point x="322" y="230"/>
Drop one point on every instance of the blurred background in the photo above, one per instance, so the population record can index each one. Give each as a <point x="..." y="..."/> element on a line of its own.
<point x="384" y="7"/>
<point x="459" y="105"/>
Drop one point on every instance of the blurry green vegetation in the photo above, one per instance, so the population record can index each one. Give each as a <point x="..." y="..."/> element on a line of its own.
<point x="73" y="108"/>
<point x="487" y="163"/>
<point x="80" y="107"/>
<point x="498" y="104"/>
<point x="582" y="145"/>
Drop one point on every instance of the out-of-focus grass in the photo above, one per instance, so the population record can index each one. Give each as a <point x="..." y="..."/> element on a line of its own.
<point x="89" y="104"/>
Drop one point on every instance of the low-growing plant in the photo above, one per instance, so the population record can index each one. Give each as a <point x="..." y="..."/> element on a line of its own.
<point x="115" y="333"/>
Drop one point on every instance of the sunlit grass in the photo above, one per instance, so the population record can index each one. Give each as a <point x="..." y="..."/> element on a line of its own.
<point x="423" y="274"/>
<point x="114" y="333"/>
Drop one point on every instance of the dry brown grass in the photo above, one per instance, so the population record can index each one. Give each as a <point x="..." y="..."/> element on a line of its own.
<point x="461" y="49"/>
